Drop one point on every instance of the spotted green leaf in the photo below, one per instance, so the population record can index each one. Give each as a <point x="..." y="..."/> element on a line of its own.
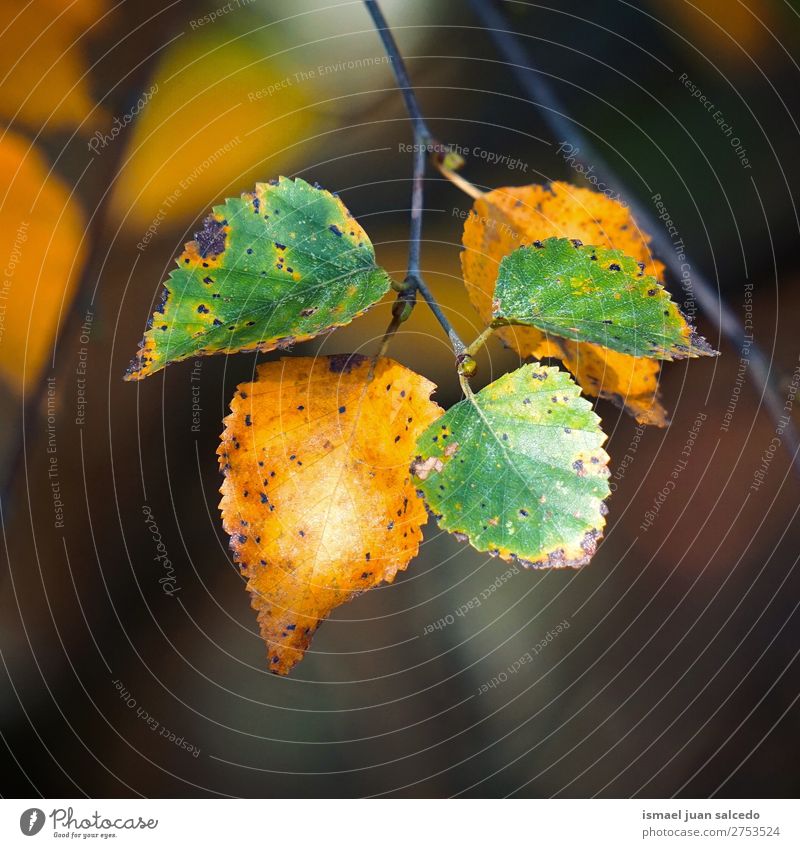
<point x="518" y="469"/>
<point x="276" y="266"/>
<point x="592" y="294"/>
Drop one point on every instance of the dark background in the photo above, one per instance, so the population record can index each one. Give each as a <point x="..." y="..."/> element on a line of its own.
<point x="678" y="672"/>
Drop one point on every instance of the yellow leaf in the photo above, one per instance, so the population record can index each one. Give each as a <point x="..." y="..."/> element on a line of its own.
<point x="317" y="496"/>
<point x="506" y="218"/>
<point x="43" y="67"/>
<point x="219" y="120"/>
<point x="40" y="244"/>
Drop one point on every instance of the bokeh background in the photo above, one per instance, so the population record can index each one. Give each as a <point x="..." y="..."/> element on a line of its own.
<point x="122" y="123"/>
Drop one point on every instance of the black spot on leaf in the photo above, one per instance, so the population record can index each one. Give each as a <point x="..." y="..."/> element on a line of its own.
<point x="211" y="239"/>
<point x="343" y="363"/>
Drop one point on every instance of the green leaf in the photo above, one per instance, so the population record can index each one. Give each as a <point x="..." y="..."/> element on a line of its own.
<point x="270" y="268"/>
<point x="592" y="294"/>
<point x="518" y="469"/>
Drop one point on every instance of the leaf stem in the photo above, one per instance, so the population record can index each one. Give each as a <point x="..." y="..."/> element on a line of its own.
<point x="393" y="327"/>
<point x="540" y="93"/>
<point x="475" y="346"/>
<point x="423" y="138"/>
<point x="457" y="180"/>
<point x="463" y="379"/>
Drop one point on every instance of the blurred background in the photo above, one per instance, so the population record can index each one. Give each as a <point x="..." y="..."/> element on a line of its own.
<point x="122" y="123"/>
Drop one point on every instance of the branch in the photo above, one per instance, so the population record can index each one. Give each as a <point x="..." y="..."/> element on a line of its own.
<point x="421" y="131"/>
<point x="716" y="310"/>
<point x="423" y="138"/>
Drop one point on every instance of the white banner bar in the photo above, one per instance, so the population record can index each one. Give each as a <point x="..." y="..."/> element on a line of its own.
<point x="401" y="823"/>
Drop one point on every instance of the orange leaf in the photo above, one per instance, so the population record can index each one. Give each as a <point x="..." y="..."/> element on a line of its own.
<point x="215" y="124"/>
<point x="42" y="64"/>
<point x="317" y="496"/>
<point x="41" y="231"/>
<point x="506" y="218"/>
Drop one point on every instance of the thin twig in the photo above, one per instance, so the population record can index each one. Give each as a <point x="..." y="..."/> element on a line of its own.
<point x="715" y="309"/>
<point x="400" y="73"/>
<point x="459" y="348"/>
<point x="423" y="139"/>
<point x="417" y="199"/>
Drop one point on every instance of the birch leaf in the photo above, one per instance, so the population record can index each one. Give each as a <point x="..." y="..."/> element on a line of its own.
<point x="591" y="294"/>
<point x="271" y="268"/>
<point x="518" y="470"/>
<point x="506" y="218"/>
<point x="317" y="496"/>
